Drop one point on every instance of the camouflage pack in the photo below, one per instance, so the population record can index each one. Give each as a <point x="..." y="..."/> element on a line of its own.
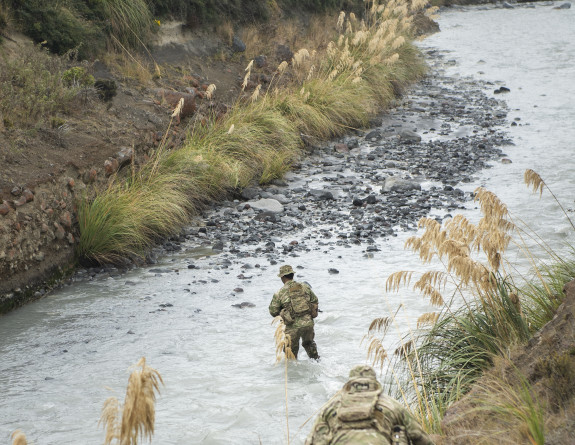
<point x="299" y="300"/>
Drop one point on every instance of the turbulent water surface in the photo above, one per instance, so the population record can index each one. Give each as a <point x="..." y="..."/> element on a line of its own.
<point x="62" y="356"/>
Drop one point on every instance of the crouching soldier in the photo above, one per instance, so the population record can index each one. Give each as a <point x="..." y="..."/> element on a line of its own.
<point x="298" y="306"/>
<point x="362" y="415"/>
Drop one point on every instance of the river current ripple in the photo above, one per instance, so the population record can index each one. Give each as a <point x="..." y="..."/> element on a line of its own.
<point x="62" y="356"/>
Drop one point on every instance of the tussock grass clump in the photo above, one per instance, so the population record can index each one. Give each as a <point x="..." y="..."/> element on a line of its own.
<point x="130" y="21"/>
<point x="507" y="410"/>
<point x="135" y="420"/>
<point x="487" y="313"/>
<point x="127" y="219"/>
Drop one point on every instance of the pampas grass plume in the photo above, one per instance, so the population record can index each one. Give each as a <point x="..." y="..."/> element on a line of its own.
<point x="18" y="438"/>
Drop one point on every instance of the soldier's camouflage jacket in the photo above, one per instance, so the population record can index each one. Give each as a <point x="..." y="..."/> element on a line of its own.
<point x="332" y="427"/>
<point x="281" y="300"/>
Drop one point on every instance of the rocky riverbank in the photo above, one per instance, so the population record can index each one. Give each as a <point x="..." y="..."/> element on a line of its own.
<point x="366" y="186"/>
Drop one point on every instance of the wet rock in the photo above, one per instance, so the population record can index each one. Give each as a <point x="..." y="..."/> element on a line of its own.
<point x="507" y="5"/>
<point x="357" y="202"/>
<point x="409" y="137"/>
<point x="563" y="6"/>
<point x="395" y="184"/>
<point x="333" y="271"/>
<point x="243" y="305"/>
<point x="501" y="90"/>
<point x="373" y="136"/>
<point x="353" y="143"/>
<point x="250" y="193"/>
<point x="321" y="195"/>
<point x="267" y="216"/>
<point x="279" y="182"/>
<point x="371" y="199"/>
<point x="219" y="246"/>
<point x="267" y="205"/>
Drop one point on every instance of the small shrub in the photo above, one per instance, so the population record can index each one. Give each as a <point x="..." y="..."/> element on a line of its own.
<point x="77" y="76"/>
<point x="106" y="88"/>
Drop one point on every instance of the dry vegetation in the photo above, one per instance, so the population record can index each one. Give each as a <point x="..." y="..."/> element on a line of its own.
<point x="321" y="92"/>
<point x="489" y="311"/>
<point x="134" y="421"/>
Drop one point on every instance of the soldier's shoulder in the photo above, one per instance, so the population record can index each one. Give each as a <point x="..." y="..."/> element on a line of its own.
<point x="389" y="403"/>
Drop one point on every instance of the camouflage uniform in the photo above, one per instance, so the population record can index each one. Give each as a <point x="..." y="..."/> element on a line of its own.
<point x="361" y="414"/>
<point x="302" y="325"/>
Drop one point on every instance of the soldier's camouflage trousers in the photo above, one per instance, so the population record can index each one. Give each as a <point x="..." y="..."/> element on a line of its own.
<point x="306" y="334"/>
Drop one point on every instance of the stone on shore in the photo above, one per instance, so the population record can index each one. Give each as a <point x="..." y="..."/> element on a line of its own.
<point x="267" y="205"/>
<point x="394" y="184"/>
<point x="409" y="137"/>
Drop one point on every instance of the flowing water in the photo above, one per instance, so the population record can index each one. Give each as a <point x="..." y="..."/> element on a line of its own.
<point x="62" y="356"/>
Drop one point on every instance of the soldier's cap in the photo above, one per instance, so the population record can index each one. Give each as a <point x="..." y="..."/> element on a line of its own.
<point x="285" y="270"/>
<point x="362" y="371"/>
<point x="364" y="376"/>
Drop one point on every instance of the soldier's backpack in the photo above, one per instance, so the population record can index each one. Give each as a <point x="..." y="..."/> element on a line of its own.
<point x="300" y="304"/>
<point x="356" y="422"/>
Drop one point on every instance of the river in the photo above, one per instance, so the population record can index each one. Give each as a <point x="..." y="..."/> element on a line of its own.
<point x="62" y="356"/>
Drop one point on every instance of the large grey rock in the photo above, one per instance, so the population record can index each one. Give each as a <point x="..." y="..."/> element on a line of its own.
<point x="563" y="6"/>
<point x="267" y="205"/>
<point x="394" y="184"/>
<point x="409" y="137"/>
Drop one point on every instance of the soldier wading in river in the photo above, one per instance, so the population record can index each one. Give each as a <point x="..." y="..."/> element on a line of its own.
<point x="361" y="414"/>
<point x="298" y="306"/>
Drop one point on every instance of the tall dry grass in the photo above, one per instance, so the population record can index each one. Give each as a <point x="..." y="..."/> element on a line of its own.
<point x="283" y="351"/>
<point x="18" y="438"/>
<point x="135" y="419"/>
<point x="489" y="309"/>
<point x="320" y="93"/>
